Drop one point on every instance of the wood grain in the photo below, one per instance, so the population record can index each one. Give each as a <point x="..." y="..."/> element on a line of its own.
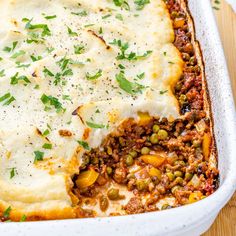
<point x="225" y="224"/>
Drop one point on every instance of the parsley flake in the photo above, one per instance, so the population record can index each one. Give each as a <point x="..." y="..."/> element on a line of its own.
<point x="16" y="79"/>
<point x="71" y="33"/>
<point x="12" y="172"/>
<point x="94" y="77"/>
<point x="7" y="212"/>
<point x="83" y="144"/>
<point x="47" y="146"/>
<point x="132" y="56"/>
<point x="127" y="86"/>
<point x="95" y="126"/>
<point x="140" y="4"/>
<point x="122" y="3"/>
<point x="50" y="101"/>
<point x="38" y="156"/>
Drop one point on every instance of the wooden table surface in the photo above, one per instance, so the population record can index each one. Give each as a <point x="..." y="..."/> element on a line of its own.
<point x="225" y="224"/>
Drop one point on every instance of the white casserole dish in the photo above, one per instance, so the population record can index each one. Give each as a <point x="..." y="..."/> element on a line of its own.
<point x="192" y="219"/>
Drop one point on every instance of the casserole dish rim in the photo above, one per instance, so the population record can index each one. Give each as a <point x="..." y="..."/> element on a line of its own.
<point x="220" y="197"/>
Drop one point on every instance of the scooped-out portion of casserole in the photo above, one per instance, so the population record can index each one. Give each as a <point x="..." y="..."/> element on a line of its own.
<point x="103" y="109"/>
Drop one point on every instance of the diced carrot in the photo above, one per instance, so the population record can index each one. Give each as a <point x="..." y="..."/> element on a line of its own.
<point x="155" y="160"/>
<point x="154" y="172"/>
<point x="144" y="118"/>
<point x="87" y="178"/>
<point x="179" y="23"/>
<point x="206" y="143"/>
<point x="194" y="197"/>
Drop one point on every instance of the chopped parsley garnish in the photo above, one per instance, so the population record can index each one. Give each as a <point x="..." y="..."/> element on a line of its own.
<point x="63" y="63"/>
<point x="66" y="97"/>
<point x="20" y="65"/>
<point x="140" y="4"/>
<point x="121" y="66"/>
<point x="50" y="17"/>
<point x="70" y="32"/>
<point x="46" y="132"/>
<point x="49" y="50"/>
<point x="10" y="49"/>
<point x="23" y="218"/>
<point x="2" y="73"/>
<point x="35" y="58"/>
<point x="94" y="77"/>
<point x="88" y="25"/>
<point x="82" y="13"/>
<point x="50" y="101"/>
<point x="1" y="58"/>
<point x="100" y="30"/>
<point x="165" y="53"/>
<point x="38" y="156"/>
<point x="78" y="49"/>
<point x="106" y="16"/>
<point x="163" y="92"/>
<point x="122" y="3"/>
<point x="17" y="54"/>
<point x="8" y="98"/>
<point x="132" y="56"/>
<point x="16" y="79"/>
<point x="46" y="72"/>
<point x="97" y="111"/>
<point x="67" y="72"/>
<point x="127" y="86"/>
<point x="36" y="86"/>
<point x="47" y="146"/>
<point x="119" y="17"/>
<point x="44" y="27"/>
<point x="170" y="62"/>
<point x="34" y="38"/>
<point x="141" y="76"/>
<point x="7" y="212"/>
<point x="95" y="126"/>
<point x="12" y="172"/>
<point x="83" y="144"/>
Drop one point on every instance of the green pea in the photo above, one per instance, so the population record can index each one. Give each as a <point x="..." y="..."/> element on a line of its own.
<point x="175" y="188"/>
<point x="109" y="151"/>
<point x="179" y="180"/>
<point x="145" y="151"/>
<point x="181" y="163"/>
<point x="109" y="170"/>
<point x="165" y="206"/>
<point x="103" y="202"/>
<point x="192" y="61"/>
<point x="129" y="160"/>
<point x="174" y="14"/>
<point x="94" y="160"/>
<point x="133" y="153"/>
<point x="182" y="99"/>
<point x="162" y="134"/>
<point x="154" y="139"/>
<point x="178" y="173"/>
<point x="141" y="184"/>
<point x="196" y="143"/>
<point x="155" y="128"/>
<point x="188" y="176"/>
<point x="170" y="176"/>
<point x="113" y="194"/>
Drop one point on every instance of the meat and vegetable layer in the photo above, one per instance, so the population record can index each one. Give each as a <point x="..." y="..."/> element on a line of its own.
<point x="104" y="110"/>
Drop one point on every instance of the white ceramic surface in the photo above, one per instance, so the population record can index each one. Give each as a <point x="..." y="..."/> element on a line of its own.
<point x="188" y="220"/>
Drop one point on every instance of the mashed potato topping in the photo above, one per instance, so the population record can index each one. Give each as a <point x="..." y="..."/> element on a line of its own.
<point x="70" y="73"/>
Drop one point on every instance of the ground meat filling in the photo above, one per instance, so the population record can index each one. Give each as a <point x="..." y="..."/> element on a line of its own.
<point x="157" y="158"/>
